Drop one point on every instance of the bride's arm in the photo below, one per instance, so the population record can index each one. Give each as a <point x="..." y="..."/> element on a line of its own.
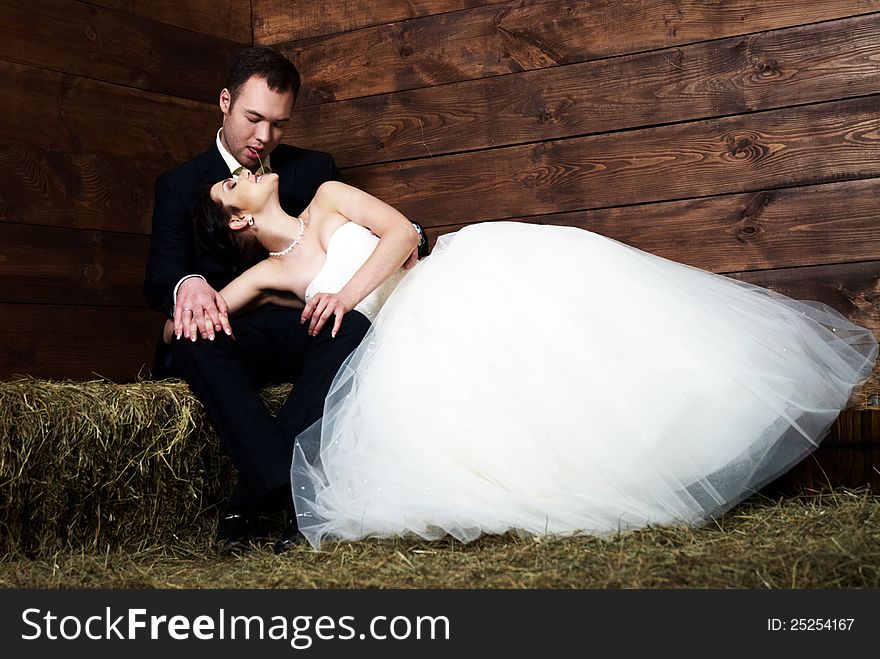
<point x="254" y="286"/>
<point x="397" y="240"/>
<point x="263" y="282"/>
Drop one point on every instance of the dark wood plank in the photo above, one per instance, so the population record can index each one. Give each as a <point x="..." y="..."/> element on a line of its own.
<point x="76" y="189"/>
<point x="775" y="69"/>
<point x="225" y="19"/>
<point x="523" y="35"/>
<point x="855" y="429"/>
<point x="45" y="265"/>
<point x="828" y="468"/>
<point x="762" y="230"/>
<point x="780" y="148"/>
<point x="277" y="21"/>
<point x="76" y="342"/>
<point x="853" y="289"/>
<point x="79" y="38"/>
<point x="56" y="110"/>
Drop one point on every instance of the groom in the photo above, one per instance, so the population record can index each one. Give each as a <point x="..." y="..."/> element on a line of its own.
<point x="269" y="344"/>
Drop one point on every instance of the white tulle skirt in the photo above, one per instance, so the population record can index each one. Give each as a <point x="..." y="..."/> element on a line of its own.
<point x="548" y="380"/>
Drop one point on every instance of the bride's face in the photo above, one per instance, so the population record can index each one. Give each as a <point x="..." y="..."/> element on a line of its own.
<point x="247" y="192"/>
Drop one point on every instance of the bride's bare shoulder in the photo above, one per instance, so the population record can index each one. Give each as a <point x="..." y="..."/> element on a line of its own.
<point x="339" y="194"/>
<point x="322" y="220"/>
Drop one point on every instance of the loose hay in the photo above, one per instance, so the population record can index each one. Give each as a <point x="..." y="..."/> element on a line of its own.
<point x="117" y="486"/>
<point x="101" y="466"/>
<point x="829" y="540"/>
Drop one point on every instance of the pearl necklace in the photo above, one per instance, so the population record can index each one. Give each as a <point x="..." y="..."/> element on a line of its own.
<point x="292" y="246"/>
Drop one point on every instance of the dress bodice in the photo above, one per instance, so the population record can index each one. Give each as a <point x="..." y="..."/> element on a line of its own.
<point x="349" y="247"/>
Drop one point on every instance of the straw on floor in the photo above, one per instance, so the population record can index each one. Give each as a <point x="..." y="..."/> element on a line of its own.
<point x="821" y="540"/>
<point x="106" y="485"/>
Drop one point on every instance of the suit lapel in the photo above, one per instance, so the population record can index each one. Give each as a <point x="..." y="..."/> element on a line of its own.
<point x="212" y="167"/>
<point x="285" y="166"/>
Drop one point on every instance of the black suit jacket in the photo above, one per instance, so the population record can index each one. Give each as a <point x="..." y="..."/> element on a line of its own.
<point x="173" y="249"/>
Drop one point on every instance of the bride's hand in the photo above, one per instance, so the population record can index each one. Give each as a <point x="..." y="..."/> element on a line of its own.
<point x="318" y="310"/>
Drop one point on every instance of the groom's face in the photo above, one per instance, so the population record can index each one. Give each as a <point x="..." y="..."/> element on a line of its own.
<point x="253" y="123"/>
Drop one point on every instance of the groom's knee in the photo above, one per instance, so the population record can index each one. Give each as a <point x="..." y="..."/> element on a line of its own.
<point x="185" y="352"/>
<point x="335" y="349"/>
<point x="354" y="327"/>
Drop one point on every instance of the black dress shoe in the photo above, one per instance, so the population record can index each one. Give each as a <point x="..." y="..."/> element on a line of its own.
<point x="289" y="538"/>
<point x="234" y="530"/>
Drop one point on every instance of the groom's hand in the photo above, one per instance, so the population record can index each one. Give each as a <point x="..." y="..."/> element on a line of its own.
<point x="200" y="311"/>
<point x="412" y="260"/>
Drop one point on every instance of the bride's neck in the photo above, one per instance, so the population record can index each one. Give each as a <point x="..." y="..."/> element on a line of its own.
<point x="276" y="230"/>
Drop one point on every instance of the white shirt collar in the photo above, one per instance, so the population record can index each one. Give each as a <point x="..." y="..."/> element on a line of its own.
<point x="228" y="158"/>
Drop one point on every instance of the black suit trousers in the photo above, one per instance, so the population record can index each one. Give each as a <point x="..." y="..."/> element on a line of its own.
<point x="270" y="345"/>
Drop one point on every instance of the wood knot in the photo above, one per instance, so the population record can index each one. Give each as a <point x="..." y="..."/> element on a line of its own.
<point x="406" y="51"/>
<point x="529" y="181"/>
<point x="749" y="225"/>
<point x="768" y="68"/>
<point x="746" y="232"/>
<point x="90" y="33"/>
<point x="743" y="148"/>
<point x="93" y="272"/>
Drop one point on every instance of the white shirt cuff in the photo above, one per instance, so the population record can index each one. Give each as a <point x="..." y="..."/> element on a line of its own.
<point x="183" y="279"/>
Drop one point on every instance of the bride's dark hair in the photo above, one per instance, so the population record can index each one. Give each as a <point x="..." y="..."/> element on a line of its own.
<point x="231" y="248"/>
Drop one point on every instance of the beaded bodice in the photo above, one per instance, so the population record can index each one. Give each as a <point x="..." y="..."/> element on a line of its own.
<point x="349" y="247"/>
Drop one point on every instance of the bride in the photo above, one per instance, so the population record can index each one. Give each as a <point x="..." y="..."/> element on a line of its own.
<point x="536" y="379"/>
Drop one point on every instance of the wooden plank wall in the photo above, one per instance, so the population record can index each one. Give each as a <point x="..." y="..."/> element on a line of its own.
<point x="101" y="97"/>
<point x="741" y="137"/>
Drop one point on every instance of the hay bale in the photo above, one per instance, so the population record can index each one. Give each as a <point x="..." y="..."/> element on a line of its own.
<point x="99" y="466"/>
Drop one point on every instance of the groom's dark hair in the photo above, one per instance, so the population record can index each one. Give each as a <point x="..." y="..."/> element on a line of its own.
<point x="263" y="62"/>
<point x="231" y="248"/>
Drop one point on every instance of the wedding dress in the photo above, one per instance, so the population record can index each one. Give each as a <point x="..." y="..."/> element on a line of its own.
<point x="548" y="380"/>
